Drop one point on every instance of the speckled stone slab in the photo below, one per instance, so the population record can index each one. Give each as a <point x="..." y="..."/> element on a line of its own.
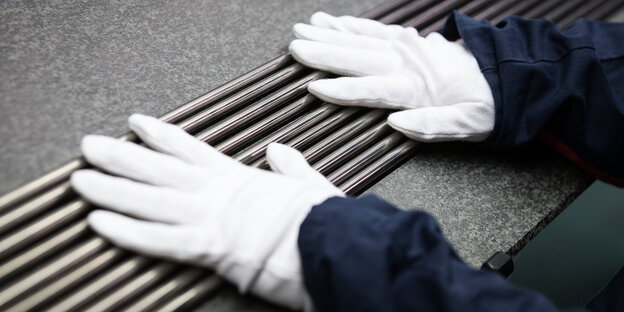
<point x="70" y="68"/>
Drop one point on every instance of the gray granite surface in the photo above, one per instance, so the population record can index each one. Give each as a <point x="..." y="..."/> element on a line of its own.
<point x="69" y="68"/>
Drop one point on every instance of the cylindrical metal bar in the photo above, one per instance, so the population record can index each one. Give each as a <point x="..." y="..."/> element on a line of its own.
<point x="191" y="296"/>
<point x="239" y="99"/>
<point x="367" y="156"/>
<point x="378" y="168"/>
<point x="542" y="8"/>
<point x="257" y="109"/>
<point x="518" y="8"/>
<point x="605" y="10"/>
<point x="314" y="124"/>
<point x="469" y="8"/>
<point x="156" y="297"/>
<point x="269" y="123"/>
<point x="34" y="187"/>
<point x="49" y="271"/>
<point x="41" y="227"/>
<point x="494" y="9"/>
<point x="133" y="288"/>
<point x="560" y="11"/>
<point x="430" y="15"/>
<point x="36" y="254"/>
<point x="106" y="281"/>
<point x="30" y="208"/>
<point x="227" y="89"/>
<point x="581" y="11"/>
<point x="36" y="300"/>
<point x="340" y="136"/>
<point x="407" y="11"/>
<point x="384" y="9"/>
<point x="350" y="148"/>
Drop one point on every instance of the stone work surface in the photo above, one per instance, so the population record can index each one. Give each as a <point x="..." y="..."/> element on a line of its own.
<point x="71" y="68"/>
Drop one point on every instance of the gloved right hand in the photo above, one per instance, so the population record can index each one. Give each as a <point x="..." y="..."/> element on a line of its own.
<point x="188" y="202"/>
<point x="436" y="83"/>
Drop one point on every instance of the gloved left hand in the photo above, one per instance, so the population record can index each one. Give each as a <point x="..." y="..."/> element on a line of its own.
<point x="199" y="206"/>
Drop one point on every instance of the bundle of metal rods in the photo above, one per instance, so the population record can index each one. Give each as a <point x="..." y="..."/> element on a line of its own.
<point x="49" y="259"/>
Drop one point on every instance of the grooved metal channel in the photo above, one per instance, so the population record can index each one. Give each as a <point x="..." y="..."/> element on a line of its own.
<point x="49" y="259"/>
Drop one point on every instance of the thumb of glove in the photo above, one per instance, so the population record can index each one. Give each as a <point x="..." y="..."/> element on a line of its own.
<point x="471" y="122"/>
<point x="290" y="162"/>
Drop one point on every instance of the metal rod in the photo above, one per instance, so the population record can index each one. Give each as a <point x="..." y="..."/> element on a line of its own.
<point x="34" y="187"/>
<point x="49" y="271"/>
<point x="242" y="138"/>
<point x="227" y="89"/>
<point x="37" y="254"/>
<point x="253" y="112"/>
<point x="518" y="8"/>
<point x="581" y="11"/>
<point x="438" y="11"/>
<point x="36" y="300"/>
<point x="104" y="282"/>
<point x="352" y="147"/>
<point x="469" y="8"/>
<point x="560" y="11"/>
<point x="191" y="296"/>
<point x="378" y="168"/>
<point x="41" y="227"/>
<point x="156" y="297"/>
<point x="542" y="8"/>
<point x="412" y="7"/>
<point x="240" y="99"/>
<point x="340" y="136"/>
<point x="316" y="123"/>
<point x="367" y="156"/>
<point x="38" y="205"/>
<point x="133" y="288"/>
<point x="494" y="9"/>
<point x="605" y="10"/>
<point x="384" y="9"/>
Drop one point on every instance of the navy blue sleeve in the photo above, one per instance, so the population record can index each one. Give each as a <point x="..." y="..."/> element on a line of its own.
<point x="363" y="254"/>
<point x="565" y="87"/>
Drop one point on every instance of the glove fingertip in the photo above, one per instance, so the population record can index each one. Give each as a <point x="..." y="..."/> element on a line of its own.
<point x="320" y="18"/>
<point x="299" y="29"/>
<point x="139" y="118"/>
<point x="81" y="179"/>
<point x="280" y="156"/>
<point x="321" y="87"/>
<point x="102" y="220"/>
<point x="94" y="146"/>
<point x="405" y="122"/>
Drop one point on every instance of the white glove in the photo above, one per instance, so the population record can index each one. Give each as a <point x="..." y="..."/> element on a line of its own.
<point x="437" y="82"/>
<point x="201" y="207"/>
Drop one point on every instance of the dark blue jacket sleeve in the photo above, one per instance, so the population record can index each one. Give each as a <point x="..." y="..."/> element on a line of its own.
<point x="566" y="87"/>
<point x="366" y="255"/>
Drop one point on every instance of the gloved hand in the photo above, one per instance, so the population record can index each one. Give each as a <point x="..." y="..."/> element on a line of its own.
<point x="201" y="207"/>
<point x="437" y="83"/>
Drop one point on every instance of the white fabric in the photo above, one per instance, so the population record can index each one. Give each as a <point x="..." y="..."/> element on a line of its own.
<point x="437" y="84"/>
<point x="190" y="203"/>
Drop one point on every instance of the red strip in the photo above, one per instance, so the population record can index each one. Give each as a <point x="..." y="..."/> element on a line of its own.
<point x="564" y="150"/>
